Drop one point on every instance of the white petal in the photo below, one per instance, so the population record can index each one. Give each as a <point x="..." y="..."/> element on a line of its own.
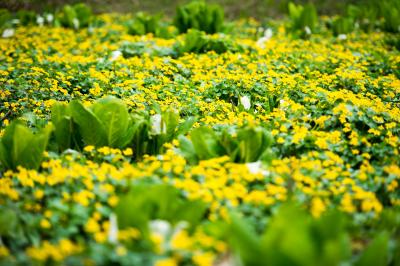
<point x="160" y="227"/>
<point x="115" y="55"/>
<point x="75" y="21"/>
<point x="245" y="101"/>
<point x="113" y="229"/>
<point x="49" y="18"/>
<point x="156" y="124"/>
<point x="254" y="168"/>
<point x="40" y="20"/>
<point x="268" y="33"/>
<point x="7" y="33"/>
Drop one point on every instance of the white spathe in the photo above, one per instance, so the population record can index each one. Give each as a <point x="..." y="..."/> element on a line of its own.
<point x="40" y="20"/>
<point x="245" y="102"/>
<point x="256" y="168"/>
<point x="7" y="33"/>
<point x="307" y="30"/>
<point x="113" y="229"/>
<point x="49" y="18"/>
<point x="157" y="125"/>
<point x="75" y="21"/>
<point x="115" y="55"/>
<point x="267" y="36"/>
<point x="342" y="37"/>
<point x="160" y="227"/>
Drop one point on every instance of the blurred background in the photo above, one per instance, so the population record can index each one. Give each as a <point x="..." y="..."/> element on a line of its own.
<point x="233" y="8"/>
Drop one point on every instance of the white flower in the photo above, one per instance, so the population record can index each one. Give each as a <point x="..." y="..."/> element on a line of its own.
<point x="113" y="229"/>
<point x="245" y="102"/>
<point x="267" y="36"/>
<point x="157" y="125"/>
<point x="40" y="20"/>
<point x="115" y="55"/>
<point x="49" y="18"/>
<point x="160" y="227"/>
<point x="75" y="21"/>
<point x="342" y="37"/>
<point x="307" y="30"/>
<point x="7" y="33"/>
<point x="255" y="168"/>
<point x="268" y="33"/>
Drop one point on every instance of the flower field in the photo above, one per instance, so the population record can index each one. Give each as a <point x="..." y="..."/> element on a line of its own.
<point x="136" y="140"/>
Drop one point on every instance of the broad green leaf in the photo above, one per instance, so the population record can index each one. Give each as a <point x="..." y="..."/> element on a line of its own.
<point x="186" y="149"/>
<point x="206" y="143"/>
<point x="171" y="120"/>
<point x="114" y="116"/>
<point x="90" y="127"/>
<point x="376" y="252"/>
<point x="19" y="146"/>
<point x="31" y="155"/>
<point x="63" y="124"/>
<point x="186" y="126"/>
<point x="8" y="221"/>
<point x="246" y="243"/>
<point x="288" y="238"/>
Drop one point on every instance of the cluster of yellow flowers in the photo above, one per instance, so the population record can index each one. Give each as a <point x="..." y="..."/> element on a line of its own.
<point x="333" y="114"/>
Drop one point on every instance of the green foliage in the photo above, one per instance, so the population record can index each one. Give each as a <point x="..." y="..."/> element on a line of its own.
<point x="391" y="13"/>
<point x="165" y="127"/>
<point x="21" y="147"/>
<point x="26" y="17"/>
<point x="146" y="202"/>
<point x="303" y="19"/>
<point x="5" y="17"/>
<point x="253" y="144"/>
<point x="199" y="15"/>
<point x="8" y="221"/>
<point x="342" y="25"/>
<point x="144" y="23"/>
<point x="76" y="16"/>
<point x="250" y="144"/>
<point x="65" y="130"/>
<point x="106" y="123"/>
<point x="293" y="237"/>
<point x="376" y="252"/>
<point x="196" y="41"/>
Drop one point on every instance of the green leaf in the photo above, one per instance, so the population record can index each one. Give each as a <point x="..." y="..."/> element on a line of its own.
<point x="115" y="119"/>
<point x="186" y="126"/>
<point x="376" y="252"/>
<point x="19" y="146"/>
<point x="206" y="143"/>
<point x="90" y="127"/>
<point x="186" y="149"/>
<point x="8" y="221"/>
<point x="63" y="124"/>
<point x="31" y="155"/>
<point x="245" y="242"/>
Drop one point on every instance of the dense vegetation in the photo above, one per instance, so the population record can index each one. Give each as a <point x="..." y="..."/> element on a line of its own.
<point x="142" y="140"/>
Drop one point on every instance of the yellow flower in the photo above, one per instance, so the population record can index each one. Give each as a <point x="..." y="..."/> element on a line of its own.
<point x="121" y="251"/>
<point x="113" y="201"/>
<point x="203" y="259"/>
<point x="166" y="262"/>
<point x="89" y="148"/>
<point x="128" y="152"/>
<point x="44" y="223"/>
<point x="39" y="194"/>
<point x="317" y="207"/>
<point x="92" y="226"/>
<point x="4" y="252"/>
